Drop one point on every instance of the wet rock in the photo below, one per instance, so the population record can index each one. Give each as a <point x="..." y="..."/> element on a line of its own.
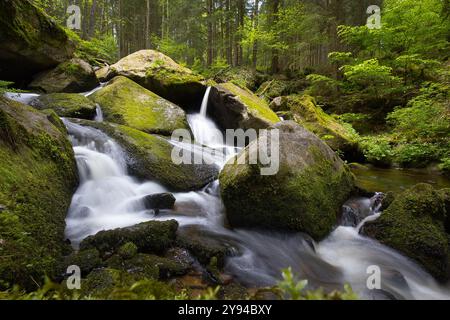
<point x="149" y="237"/>
<point x="159" y="201"/>
<point x="414" y="224"/>
<point x="68" y="105"/>
<point x="72" y="76"/>
<point x="205" y="245"/>
<point x="237" y="108"/>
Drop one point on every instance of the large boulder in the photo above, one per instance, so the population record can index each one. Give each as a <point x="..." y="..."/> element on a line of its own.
<point x="305" y="111"/>
<point x="30" y="41"/>
<point x="306" y="194"/>
<point x="159" y="74"/>
<point x="150" y="158"/>
<point x="38" y="176"/>
<point x="69" y="105"/>
<point x="149" y="237"/>
<point x="125" y="102"/>
<point x="414" y="225"/>
<point x="71" y="76"/>
<point x="237" y="108"/>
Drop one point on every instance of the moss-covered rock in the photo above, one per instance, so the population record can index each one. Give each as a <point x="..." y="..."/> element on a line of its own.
<point x="234" y="107"/>
<point x="150" y="266"/>
<point x="305" y="111"/>
<point x="203" y="245"/>
<point x="71" y="76"/>
<point x="69" y="105"/>
<point x="38" y="176"/>
<point x="30" y="41"/>
<point x="125" y="102"/>
<point x="149" y="237"/>
<point x="306" y="194"/>
<point x="128" y="250"/>
<point x="414" y="225"/>
<point x="87" y="260"/>
<point x="161" y="75"/>
<point x="150" y="158"/>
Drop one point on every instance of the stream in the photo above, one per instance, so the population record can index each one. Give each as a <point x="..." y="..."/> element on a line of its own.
<point x="108" y="197"/>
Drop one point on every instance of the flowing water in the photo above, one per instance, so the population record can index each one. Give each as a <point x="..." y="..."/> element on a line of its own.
<point x="109" y="198"/>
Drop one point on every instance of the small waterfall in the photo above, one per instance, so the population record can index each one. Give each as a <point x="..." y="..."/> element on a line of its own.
<point x="24" y="98"/>
<point x="99" y="113"/>
<point x="204" y="107"/>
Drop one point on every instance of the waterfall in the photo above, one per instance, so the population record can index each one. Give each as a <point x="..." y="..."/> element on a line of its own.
<point x="204" y="107"/>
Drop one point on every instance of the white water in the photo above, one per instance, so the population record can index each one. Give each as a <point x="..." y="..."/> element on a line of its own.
<point x="109" y="198"/>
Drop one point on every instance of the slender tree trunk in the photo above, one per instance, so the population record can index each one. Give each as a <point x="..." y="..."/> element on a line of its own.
<point x="274" y="9"/>
<point x="255" y="27"/>
<point x="92" y="19"/>
<point x="209" y="60"/>
<point x="147" y="26"/>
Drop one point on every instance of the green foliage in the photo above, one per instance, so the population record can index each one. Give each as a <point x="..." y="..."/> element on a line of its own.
<point x="322" y="85"/>
<point x="371" y="77"/>
<point x="290" y="289"/>
<point x="97" y="50"/>
<point x="377" y="150"/>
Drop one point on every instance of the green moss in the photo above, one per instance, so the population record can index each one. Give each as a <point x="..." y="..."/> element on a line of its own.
<point x="37" y="179"/>
<point x="128" y="250"/>
<point x="87" y="260"/>
<point x="125" y="102"/>
<point x="414" y="225"/>
<point x="149" y="266"/>
<point x="66" y="105"/>
<point x="339" y="136"/>
<point x="256" y="106"/>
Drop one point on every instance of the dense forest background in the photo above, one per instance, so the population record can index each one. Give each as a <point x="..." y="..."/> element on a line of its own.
<point x="389" y="83"/>
<point x="272" y="35"/>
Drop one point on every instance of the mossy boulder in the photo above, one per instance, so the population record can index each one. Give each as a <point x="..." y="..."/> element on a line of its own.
<point x="69" y="105"/>
<point x="306" y="194"/>
<point x="414" y="225"/>
<point x="161" y="75"/>
<point x="149" y="237"/>
<point x="71" y="76"/>
<point x="150" y="158"/>
<point x="204" y="245"/>
<point x="38" y="176"/>
<point x="125" y="102"/>
<point x="87" y="260"/>
<point x="304" y="110"/>
<point x="150" y="266"/>
<point x="234" y="107"/>
<point x="30" y="41"/>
